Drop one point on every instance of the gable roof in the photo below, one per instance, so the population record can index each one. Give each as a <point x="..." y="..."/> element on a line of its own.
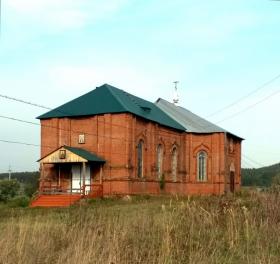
<point x="82" y="153"/>
<point x="109" y="99"/>
<point x="190" y="121"/>
<point x="89" y="156"/>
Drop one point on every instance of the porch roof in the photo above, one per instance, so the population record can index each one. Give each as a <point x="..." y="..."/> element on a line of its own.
<point x="72" y="155"/>
<point x="89" y="156"/>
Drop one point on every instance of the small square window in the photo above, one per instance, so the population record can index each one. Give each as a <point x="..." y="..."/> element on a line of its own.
<point x="62" y="154"/>
<point x="82" y="139"/>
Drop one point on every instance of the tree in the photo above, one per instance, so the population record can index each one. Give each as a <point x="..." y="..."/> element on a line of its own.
<point x="8" y="189"/>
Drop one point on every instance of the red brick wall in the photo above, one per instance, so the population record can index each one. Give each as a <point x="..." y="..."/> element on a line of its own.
<point x="115" y="137"/>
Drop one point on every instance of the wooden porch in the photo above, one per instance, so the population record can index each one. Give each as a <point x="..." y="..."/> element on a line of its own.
<point x="88" y="190"/>
<point x="67" y="176"/>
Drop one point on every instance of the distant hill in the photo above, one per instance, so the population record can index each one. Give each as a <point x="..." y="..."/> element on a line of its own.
<point x="259" y="177"/>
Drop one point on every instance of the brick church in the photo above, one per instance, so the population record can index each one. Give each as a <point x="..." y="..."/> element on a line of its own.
<point x="110" y="142"/>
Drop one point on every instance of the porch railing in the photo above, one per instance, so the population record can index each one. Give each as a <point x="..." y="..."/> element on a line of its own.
<point x="88" y="190"/>
<point x="50" y="187"/>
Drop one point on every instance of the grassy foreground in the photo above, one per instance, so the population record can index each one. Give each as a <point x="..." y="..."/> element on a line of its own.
<point x="240" y="229"/>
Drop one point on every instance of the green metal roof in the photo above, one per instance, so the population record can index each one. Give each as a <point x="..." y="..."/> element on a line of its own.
<point x="109" y="99"/>
<point x="85" y="154"/>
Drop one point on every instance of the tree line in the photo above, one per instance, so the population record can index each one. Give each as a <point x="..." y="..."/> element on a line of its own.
<point x="260" y="177"/>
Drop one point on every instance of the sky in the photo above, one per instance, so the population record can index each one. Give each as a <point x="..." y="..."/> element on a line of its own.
<point x="220" y="52"/>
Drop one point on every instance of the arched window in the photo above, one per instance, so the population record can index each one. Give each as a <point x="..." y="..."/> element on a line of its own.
<point x="202" y="166"/>
<point x="174" y="163"/>
<point x="159" y="160"/>
<point x="140" y="148"/>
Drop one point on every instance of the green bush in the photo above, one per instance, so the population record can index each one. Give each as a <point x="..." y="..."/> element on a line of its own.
<point x="30" y="189"/>
<point x="8" y="189"/>
<point x="19" y="201"/>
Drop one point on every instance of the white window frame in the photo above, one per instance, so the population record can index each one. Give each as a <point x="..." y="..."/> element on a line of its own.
<point x="202" y="159"/>
<point x="159" y="160"/>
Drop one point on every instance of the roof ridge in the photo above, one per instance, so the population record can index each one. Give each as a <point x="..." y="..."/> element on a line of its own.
<point x="109" y="87"/>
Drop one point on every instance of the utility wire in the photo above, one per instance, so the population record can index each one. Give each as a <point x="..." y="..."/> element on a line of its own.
<point x="249" y="165"/>
<point x="25" y="102"/>
<point x="20" y="120"/>
<point x="172" y="135"/>
<point x="55" y="127"/>
<point x="20" y="143"/>
<point x="245" y="159"/>
<point x="147" y="134"/>
<point x="64" y="113"/>
<point x="228" y="117"/>
<point x="52" y="147"/>
<point x="248" y="107"/>
<point x="253" y="161"/>
<point x="246" y="96"/>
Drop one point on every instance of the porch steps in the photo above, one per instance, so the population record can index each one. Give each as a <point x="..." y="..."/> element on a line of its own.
<point x="55" y="200"/>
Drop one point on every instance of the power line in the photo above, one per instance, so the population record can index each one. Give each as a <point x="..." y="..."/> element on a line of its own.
<point x="19" y="120"/>
<point x="53" y="147"/>
<point x="48" y="108"/>
<point x="20" y="143"/>
<point x="249" y="165"/>
<point x="249" y="162"/>
<point x="253" y="161"/>
<point x="23" y="101"/>
<point x="249" y="107"/>
<point x="245" y="159"/>
<point x="87" y="133"/>
<point x="55" y="127"/>
<point x="172" y="135"/>
<point x="246" y="96"/>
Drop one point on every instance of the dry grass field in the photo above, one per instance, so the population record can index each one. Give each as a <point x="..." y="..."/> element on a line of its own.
<point x="244" y="228"/>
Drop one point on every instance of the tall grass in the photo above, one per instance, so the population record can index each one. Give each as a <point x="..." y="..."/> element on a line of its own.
<point x="240" y="229"/>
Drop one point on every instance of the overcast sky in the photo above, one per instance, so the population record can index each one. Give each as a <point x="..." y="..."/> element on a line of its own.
<point x="53" y="51"/>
